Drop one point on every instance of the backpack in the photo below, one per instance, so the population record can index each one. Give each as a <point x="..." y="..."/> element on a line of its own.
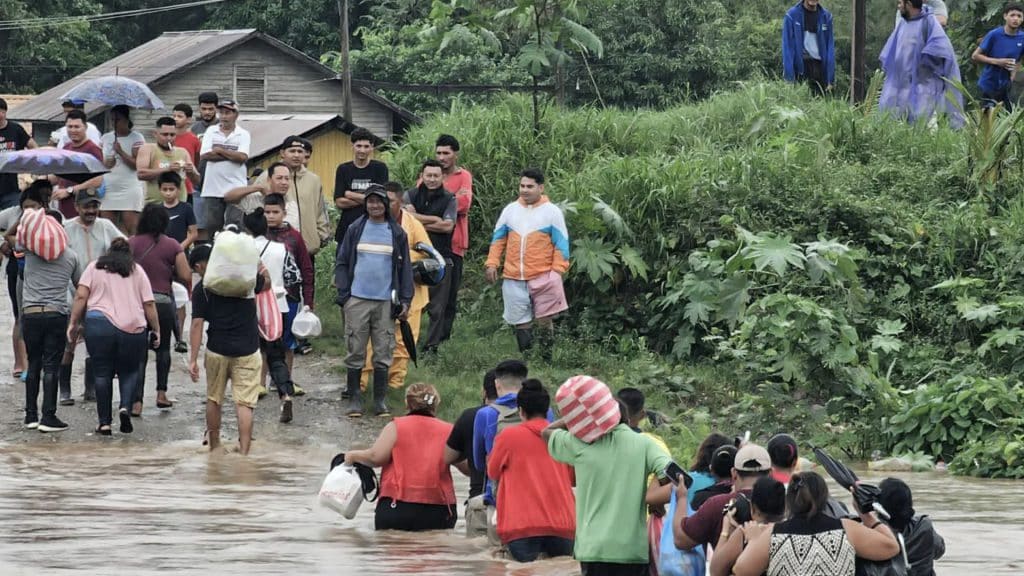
<point x="507" y="416"/>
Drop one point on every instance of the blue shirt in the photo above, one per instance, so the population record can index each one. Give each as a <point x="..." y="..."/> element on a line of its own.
<point x="371" y="279"/>
<point x="485" y="429"/>
<point x="998" y="44"/>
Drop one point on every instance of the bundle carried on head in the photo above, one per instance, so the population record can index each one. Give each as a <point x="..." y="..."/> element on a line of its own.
<point x="588" y="407"/>
<point x="42" y="235"/>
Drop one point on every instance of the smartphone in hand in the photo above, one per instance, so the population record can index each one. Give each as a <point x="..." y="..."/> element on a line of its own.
<point x="675" y="472"/>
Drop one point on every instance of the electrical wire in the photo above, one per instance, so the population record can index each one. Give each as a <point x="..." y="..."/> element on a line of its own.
<point x="42" y="22"/>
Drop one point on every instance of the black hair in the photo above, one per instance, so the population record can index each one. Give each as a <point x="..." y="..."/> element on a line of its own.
<point x="185" y="108"/>
<point x="274" y="200"/>
<point x="807" y="495"/>
<point x="77" y="114"/>
<point x="511" y="369"/>
<point x="200" y="253"/>
<point x="783" y="451"/>
<point x="535" y="174"/>
<point x="722" y="460"/>
<point x="533" y="399"/>
<point x="37" y="191"/>
<point x="56" y="216"/>
<point x="169" y="178"/>
<point x="897" y="499"/>
<point x="256" y="172"/>
<point x="633" y="399"/>
<point x="275" y="166"/>
<point x="208" y="98"/>
<point x="431" y="163"/>
<point x="769" y="495"/>
<point x="153" y="221"/>
<point x="916" y="3"/>
<point x="490" y="388"/>
<point x="623" y="412"/>
<point x="752" y="473"/>
<point x="164" y="121"/>
<point x="392" y="186"/>
<point x="118" y="259"/>
<point x="362" y="134"/>
<point x="3" y="104"/>
<point x="1011" y="6"/>
<point x="126" y="112"/>
<point x="702" y="459"/>
<point x="447" y="140"/>
<point x="255" y="222"/>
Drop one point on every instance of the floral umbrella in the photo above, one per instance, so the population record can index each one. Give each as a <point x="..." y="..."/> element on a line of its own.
<point x="74" y="166"/>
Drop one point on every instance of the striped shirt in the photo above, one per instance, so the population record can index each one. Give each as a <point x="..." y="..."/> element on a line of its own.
<point x="372" y="279"/>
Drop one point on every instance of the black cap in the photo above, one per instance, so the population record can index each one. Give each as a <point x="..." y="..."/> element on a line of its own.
<point x="296" y="142"/>
<point x="376" y="190"/>
<point x="86" y="195"/>
<point x="228" y="104"/>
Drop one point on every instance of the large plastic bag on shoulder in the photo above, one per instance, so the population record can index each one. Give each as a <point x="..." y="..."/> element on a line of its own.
<point x="42" y="235"/>
<point x="306" y="324"/>
<point x="233" y="265"/>
<point x="342" y="491"/>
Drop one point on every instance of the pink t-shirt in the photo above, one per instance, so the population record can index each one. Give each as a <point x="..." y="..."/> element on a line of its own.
<point x="120" y="299"/>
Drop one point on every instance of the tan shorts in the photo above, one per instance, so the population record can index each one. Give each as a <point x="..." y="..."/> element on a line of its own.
<point x="244" y="373"/>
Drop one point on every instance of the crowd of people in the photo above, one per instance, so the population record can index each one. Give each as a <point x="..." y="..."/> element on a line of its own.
<point x="919" y="62"/>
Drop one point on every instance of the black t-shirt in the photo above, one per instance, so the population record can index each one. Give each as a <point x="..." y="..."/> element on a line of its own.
<point x="12" y="137"/>
<point x="810" y="21"/>
<point x="461" y="440"/>
<point x="349" y="177"/>
<point x="442" y="204"/>
<point x="233" y="331"/>
<point x="182" y="216"/>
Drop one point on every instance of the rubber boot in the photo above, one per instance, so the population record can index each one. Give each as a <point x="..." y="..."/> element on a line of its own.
<point x="524" y="338"/>
<point x="380" y="392"/>
<point x="64" y="385"/>
<point x="355" y="403"/>
<point x="90" y="382"/>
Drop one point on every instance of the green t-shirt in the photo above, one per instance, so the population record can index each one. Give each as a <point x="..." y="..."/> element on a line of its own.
<point x="611" y="482"/>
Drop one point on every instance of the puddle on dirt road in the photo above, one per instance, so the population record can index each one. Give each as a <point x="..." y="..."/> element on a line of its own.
<point x="173" y="508"/>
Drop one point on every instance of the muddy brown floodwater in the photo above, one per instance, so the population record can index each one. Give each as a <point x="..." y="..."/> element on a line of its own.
<point x="156" y="502"/>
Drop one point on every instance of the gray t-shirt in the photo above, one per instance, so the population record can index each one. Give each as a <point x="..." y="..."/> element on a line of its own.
<point x="46" y="283"/>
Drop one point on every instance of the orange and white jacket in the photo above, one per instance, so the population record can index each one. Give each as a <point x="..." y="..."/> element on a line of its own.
<point x="534" y="240"/>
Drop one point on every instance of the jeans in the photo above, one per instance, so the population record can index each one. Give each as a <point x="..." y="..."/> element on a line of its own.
<point x="528" y="549"/>
<point x="45" y="334"/>
<point x="452" y="307"/>
<point x="991" y="99"/>
<point x="168" y="317"/>
<point x="113" y="351"/>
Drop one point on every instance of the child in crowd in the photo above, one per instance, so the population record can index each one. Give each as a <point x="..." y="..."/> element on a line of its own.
<point x="182" y="228"/>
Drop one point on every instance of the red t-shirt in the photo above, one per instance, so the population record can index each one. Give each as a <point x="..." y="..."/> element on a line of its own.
<point x="461" y="179"/>
<point x="67" y="206"/>
<point x="534" y="492"/>
<point x="192" y="144"/>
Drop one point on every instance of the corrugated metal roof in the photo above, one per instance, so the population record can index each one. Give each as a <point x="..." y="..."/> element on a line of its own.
<point x="16" y="99"/>
<point x="167" y="54"/>
<point x="268" y="131"/>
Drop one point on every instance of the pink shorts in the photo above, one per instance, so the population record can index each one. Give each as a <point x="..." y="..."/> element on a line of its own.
<point x="540" y="297"/>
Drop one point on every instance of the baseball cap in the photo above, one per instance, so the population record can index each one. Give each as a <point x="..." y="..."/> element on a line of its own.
<point x="228" y="104"/>
<point x="752" y="458"/>
<point x="296" y="142"/>
<point x="86" y="195"/>
<point x="376" y="190"/>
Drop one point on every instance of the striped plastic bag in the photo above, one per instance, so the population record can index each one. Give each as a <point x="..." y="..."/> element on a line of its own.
<point x="41" y="235"/>
<point x="588" y="407"/>
<point x="268" y="313"/>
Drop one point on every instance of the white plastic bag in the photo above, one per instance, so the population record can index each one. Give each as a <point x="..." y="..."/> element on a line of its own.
<point x="233" y="266"/>
<point x="306" y="324"/>
<point x="342" y="491"/>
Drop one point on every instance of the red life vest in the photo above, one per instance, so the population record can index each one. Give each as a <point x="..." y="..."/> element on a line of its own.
<point x="417" y="472"/>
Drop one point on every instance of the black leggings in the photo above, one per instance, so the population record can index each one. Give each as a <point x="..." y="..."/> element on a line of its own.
<point x="411" y="517"/>
<point x="277" y="366"/>
<point x="167" y="316"/>
<point x="12" y="285"/>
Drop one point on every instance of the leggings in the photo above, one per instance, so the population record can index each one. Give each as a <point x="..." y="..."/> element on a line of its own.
<point x="412" y="517"/>
<point x="167" y="316"/>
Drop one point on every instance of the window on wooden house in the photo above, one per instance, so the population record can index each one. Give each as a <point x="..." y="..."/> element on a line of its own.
<point x="251" y="87"/>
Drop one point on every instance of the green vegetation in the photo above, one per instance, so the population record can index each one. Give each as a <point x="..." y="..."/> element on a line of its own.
<point x="768" y="261"/>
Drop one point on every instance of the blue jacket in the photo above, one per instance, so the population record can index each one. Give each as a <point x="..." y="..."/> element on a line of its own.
<point x="345" y="262"/>
<point x="793" y="43"/>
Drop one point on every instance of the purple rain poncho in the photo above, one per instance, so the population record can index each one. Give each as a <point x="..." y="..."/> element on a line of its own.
<point x="916" y="58"/>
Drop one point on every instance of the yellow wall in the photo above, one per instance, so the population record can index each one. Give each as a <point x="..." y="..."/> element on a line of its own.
<point x="330" y="148"/>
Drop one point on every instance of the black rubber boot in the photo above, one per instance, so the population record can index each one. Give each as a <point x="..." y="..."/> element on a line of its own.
<point x="64" y="385"/>
<point x="90" y="385"/>
<point x="380" y="392"/>
<point x="524" y="338"/>
<point x="355" y="403"/>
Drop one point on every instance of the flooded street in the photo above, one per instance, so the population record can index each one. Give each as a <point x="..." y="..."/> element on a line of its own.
<point x="157" y="502"/>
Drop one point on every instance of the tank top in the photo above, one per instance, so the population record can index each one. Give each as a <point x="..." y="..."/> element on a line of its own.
<point x="814" y="546"/>
<point x="417" y="472"/>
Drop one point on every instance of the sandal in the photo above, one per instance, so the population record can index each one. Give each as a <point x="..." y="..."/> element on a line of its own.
<point x="164" y="405"/>
<point x="206" y="438"/>
<point x="100" y="430"/>
<point x="17" y="374"/>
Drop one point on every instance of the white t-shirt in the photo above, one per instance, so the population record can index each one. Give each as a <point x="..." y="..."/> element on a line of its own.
<point x="274" y="256"/>
<point x="222" y="176"/>
<point x="91" y="132"/>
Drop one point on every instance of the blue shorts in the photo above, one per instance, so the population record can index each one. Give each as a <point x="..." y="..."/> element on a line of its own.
<point x="289" y="317"/>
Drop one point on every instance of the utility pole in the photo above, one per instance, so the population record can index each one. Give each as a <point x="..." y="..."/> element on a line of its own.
<point x="858" y="62"/>
<point x="346" y="68"/>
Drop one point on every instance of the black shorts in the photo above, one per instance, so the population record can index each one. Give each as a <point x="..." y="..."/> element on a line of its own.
<point x="396" y="515"/>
